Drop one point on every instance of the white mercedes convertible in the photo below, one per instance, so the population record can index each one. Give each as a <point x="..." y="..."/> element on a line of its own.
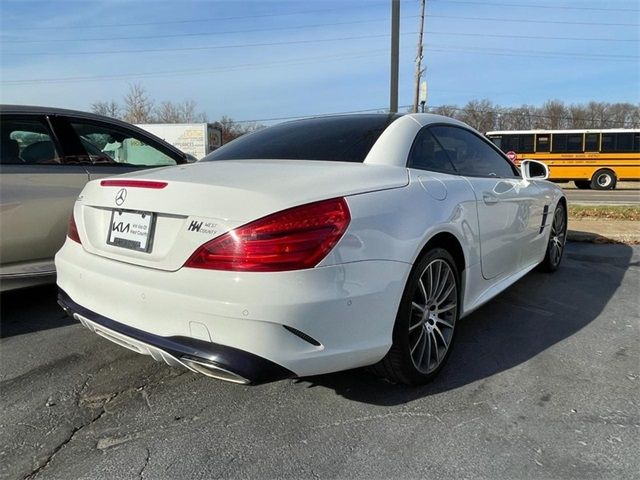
<point x="310" y="247"/>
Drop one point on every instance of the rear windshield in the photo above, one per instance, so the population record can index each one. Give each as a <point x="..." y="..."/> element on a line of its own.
<point x="339" y="139"/>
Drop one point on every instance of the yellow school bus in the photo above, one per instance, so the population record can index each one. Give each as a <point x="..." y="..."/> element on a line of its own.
<point x="595" y="159"/>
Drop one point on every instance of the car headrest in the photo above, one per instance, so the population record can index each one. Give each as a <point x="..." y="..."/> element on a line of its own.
<point x="9" y="151"/>
<point x="39" y="152"/>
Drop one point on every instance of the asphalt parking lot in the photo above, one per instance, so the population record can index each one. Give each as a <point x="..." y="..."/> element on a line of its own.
<point x="543" y="383"/>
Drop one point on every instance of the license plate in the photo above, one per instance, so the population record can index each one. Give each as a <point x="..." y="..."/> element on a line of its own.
<point x="131" y="230"/>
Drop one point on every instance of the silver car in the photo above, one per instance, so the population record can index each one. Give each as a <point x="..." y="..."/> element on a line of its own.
<point x="46" y="157"/>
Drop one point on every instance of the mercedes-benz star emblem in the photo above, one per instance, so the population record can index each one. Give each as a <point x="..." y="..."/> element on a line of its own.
<point x="121" y="196"/>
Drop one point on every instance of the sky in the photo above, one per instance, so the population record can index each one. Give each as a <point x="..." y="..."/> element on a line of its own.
<point x="257" y="60"/>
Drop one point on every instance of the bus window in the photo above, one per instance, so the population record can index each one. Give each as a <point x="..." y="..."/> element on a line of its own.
<point x="542" y="143"/>
<point x="624" y="142"/>
<point x="591" y="142"/>
<point x="636" y="142"/>
<point x="574" y="143"/>
<point x="516" y="143"/>
<point x="497" y="141"/>
<point x="526" y="143"/>
<point x="608" y="142"/>
<point x="567" y="142"/>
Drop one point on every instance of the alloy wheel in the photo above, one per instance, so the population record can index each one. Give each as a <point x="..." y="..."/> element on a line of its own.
<point x="558" y="236"/>
<point x="433" y="314"/>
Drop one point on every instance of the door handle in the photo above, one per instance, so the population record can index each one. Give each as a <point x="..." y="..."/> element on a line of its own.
<point x="489" y="198"/>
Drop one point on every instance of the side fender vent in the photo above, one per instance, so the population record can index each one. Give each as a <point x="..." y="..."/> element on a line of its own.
<point x="545" y="214"/>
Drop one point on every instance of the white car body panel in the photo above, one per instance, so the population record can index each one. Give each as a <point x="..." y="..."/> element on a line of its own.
<point x="349" y="301"/>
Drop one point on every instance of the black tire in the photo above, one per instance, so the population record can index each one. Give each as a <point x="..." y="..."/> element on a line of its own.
<point x="604" y="179"/>
<point x="583" y="184"/>
<point x="412" y="324"/>
<point x="557" y="240"/>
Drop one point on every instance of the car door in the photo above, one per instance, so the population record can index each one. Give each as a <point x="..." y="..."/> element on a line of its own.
<point x="506" y="205"/>
<point x="37" y="192"/>
<point x="113" y="149"/>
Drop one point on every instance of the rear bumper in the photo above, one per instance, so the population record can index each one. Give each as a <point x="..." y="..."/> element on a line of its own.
<point x="218" y="361"/>
<point x="308" y="322"/>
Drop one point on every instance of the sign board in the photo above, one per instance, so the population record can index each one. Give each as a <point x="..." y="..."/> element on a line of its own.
<point x="423" y="92"/>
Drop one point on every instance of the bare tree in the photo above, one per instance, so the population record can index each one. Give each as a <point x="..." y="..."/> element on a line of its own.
<point x="189" y="113"/>
<point x="168" y="112"/>
<point x="108" y="109"/>
<point x="554" y="115"/>
<point x="231" y="129"/>
<point x="480" y="114"/>
<point x="137" y="105"/>
<point x="446" y="110"/>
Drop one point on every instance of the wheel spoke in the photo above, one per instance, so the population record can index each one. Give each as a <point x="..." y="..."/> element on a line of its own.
<point x="435" y="344"/>
<point x="442" y="297"/>
<point x="418" y="341"/>
<point x="424" y="292"/>
<point x="445" y="323"/>
<point x="422" y="348"/>
<point x="442" y="284"/>
<point x="444" y="342"/>
<point x="418" y="307"/>
<point x="418" y="324"/>
<point x="446" y="308"/>
<point x="428" y="351"/>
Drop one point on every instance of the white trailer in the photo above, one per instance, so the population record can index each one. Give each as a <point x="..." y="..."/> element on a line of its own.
<point x="197" y="139"/>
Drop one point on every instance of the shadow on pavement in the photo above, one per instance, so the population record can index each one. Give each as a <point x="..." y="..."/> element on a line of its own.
<point x="534" y="314"/>
<point x="31" y="310"/>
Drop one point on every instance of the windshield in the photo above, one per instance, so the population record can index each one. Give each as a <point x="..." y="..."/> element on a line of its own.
<point x="341" y="139"/>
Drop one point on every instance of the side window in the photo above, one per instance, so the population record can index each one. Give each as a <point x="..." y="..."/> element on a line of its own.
<point x="608" y="142"/>
<point x="567" y="142"/>
<point x="591" y="141"/>
<point x="427" y="154"/>
<point x="542" y="143"/>
<point x="625" y="142"/>
<point x="470" y="154"/>
<point x="497" y="141"/>
<point x="106" y="145"/>
<point x="26" y="141"/>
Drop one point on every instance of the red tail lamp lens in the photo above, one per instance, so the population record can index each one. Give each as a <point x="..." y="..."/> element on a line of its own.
<point x="72" y="230"/>
<point x="293" y="239"/>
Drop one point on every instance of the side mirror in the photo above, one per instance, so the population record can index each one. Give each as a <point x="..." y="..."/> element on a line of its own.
<point x="534" y="170"/>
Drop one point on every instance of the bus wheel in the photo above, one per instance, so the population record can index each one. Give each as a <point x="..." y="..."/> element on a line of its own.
<point x="583" y="184"/>
<point x="603" y="180"/>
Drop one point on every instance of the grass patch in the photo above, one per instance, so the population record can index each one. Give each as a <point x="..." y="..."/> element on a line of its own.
<point x="605" y="212"/>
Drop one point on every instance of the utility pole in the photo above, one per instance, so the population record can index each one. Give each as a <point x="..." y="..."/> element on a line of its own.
<point x="419" y="69"/>
<point x="395" y="51"/>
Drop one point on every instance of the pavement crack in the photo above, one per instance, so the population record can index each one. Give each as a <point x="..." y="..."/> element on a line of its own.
<point x="146" y="462"/>
<point x="72" y="434"/>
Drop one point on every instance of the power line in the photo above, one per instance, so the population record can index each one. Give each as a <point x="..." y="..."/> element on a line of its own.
<point x="227" y="68"/>
<point x="207" y="47"/>
<point x="528" y="20"/>
<point x="541" y="53"/>
<point x="295" y="42"/>
<point x="533" y="37"/>
<point x="201" y="20"/>
<point x="367" y="53"/>
<point x="530" y="5"/>
<point x="199" y="34"/>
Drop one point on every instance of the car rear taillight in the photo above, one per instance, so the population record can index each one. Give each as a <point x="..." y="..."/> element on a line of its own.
<point x="72" y="230"/>
<point x="293" y="239"/>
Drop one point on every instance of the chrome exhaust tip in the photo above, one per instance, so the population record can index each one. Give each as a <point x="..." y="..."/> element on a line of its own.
<point x="212" y="370"/>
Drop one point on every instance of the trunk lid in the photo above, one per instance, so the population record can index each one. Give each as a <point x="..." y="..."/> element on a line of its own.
<point x="204" y="200"/>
